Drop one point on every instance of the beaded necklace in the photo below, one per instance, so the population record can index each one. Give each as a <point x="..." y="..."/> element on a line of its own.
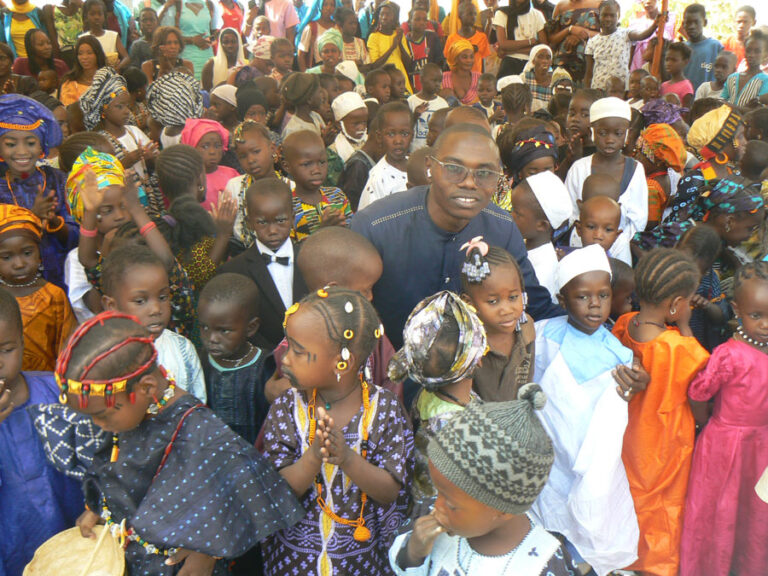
<point x="10" y="188"/>
<point x="361" y="533"/>
<point x="749" y="339"/>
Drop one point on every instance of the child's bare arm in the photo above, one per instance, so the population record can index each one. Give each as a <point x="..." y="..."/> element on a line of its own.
<point x="590" y="68"/>
<point x="153" y="236"/>
<point x="425" y="531"/>
<point x="88" y="250"/>
<point x="648" y="32"/>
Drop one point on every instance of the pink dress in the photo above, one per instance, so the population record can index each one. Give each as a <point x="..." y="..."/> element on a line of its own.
<point x="216" y="182"/>
<point x="725" y="527"/>
<point x="471" y="96"/>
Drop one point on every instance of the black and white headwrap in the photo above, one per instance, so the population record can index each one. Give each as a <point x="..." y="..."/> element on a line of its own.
<point x="173" y="98"/>
<point x="105" y="87"/>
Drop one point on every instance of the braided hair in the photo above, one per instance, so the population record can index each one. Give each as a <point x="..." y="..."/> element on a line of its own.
<point x="751" y="271"/>
<point x="665" y="273"/>
<point x="178" y="169"/>
<point x="477" y="267"/>
<point x="516" y="97"/>
<point x="350" y="319"/>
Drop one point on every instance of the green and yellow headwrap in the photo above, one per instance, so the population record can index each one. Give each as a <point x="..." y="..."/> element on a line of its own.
<point x="108" y="170"/>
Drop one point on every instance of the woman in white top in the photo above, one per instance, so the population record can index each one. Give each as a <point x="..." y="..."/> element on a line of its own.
<point x="518" y="27"/>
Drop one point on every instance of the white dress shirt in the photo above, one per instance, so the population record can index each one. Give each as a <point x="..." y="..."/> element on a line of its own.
<point x="282" y="275"/>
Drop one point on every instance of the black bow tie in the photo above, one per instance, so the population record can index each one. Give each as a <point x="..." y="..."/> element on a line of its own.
<point x="271" y="258"/>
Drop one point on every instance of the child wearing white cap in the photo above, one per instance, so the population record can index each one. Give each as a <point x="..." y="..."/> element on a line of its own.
<point x="610" y="118"/>
<point x="587" y="497"/>
<point x="541" y="205"/>
<point x="351" y="116"/>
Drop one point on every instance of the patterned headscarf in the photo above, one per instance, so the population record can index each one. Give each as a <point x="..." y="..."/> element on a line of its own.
<point x="659" y="111"/>
<point x="17" y="219"/>
<point x="420" y="332"/>
<point x="108" y="170"/>
<point x="457" y="48"/>
<point x="106" y="86"/>
<point x="333" y="36"/>
<point x="173" y="98"/>
<point x="531" y="144"/>
<point x="731" y="195"/>
<point x="713" y="131"/>
<point x="28" y="115"/>
<point x="662" y="145"/>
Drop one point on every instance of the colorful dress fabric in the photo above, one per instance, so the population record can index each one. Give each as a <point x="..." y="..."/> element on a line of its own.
<point x="22" y="193"/>
<point x="708" y="334"/>
<point x="610" y="54"/>
<point x="573" y="59"/>
<point x="215" y="494"/>
<point x="307" y="217"/>
<point x="236" y="395"/>
<point x="68" y="27"/>
<point x="36" y="500"/>
<point x="542" y="93"/>
<point x="658" y="443"/>
<point x="48" y="322"/>
<point x="740" y="96"/>
<point x="725" y="527"/>
<point x="470" y="96"/>
<point x="317" y="545"/>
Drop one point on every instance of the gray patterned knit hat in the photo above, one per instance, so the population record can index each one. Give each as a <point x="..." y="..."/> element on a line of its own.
<point x="497" y="452"/>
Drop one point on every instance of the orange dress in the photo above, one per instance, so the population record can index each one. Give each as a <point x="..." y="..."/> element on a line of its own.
<point x="658" y="443"/>
<point x="48" y="322"/>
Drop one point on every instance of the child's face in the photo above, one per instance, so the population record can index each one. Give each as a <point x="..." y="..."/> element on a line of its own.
<point x="744" y="23"/>
<point x="610" y="135"/>
<point x="609" y="19"/>
<point x="634" y="84"/>
<point x="270" y="218"/>
<point x="419" y="21"/>
<point x="145" y="293"/>
<point x="95" y="17"/>
<point x="577" y="121"/>
<point x="649" y="88"/>
<point x="751" y="306"/>
<point x="722" y="68"/>
<point x="386" y="20"/>
<point x="356" y="123"/>
<point x="432" y="79"/>
<point x="309" y="362"/>
<point x="499" y="299"/>
<point x="272" y="94"/>
<point x="262" y="28"/>
<point x="47" y="81"/>
<point x="737" y="229"/>
<point x="11" y="352"/>
<point x="694" y="24"/>
<point x="543" y="164"/>
<point x="19" y="258"/>
<point x="349" y="26"/>
<point x="599" y="224"/>
<point x="229" y="43"/>
<point x="458" y="513"/>
<point x="467" y="14"/>
<point x="308" y="164"/>
<point x="256" y="113"/>
<point x="674" y="63"/>
<point x="616" y="88"/>
<point x="397" y="86"/>
<point x="621" y="302"/>
<point x="436" y="124"/>
<point x="754" y="52"/>
<point x="396" y="134"/>
<point x="112" y="210"/>
<point x="327" y="8"/>
<point x="330" y="55"/>
<point x="148" y="23"/>
<point x="211" y="147"/>
<point x="117" y="111"/>
<point x="486" y="91"/>
<point x="255" y="154"/>
<point x="225" y="328"/>
<point x="382" y="88"/>
<point x="322" y="105"/>
<point x="283" y="58"/>
<point x="20" y="150"/>
<point x="587" y="299"/>
<point x="222" y="110"/>
<point x="523" y="213"/>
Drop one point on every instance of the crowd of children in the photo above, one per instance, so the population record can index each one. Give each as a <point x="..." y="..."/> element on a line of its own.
<point x="561" y="227"/>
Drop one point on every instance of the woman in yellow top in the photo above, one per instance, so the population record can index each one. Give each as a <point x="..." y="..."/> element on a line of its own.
<point x="89" y="57"/>
<point x="386" y="44"/>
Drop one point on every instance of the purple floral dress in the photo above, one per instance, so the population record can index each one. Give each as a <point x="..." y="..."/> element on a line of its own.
<point x="317" y="545"/>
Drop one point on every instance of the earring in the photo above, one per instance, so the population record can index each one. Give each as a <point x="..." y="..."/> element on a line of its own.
<point x="153" y="408"/>
<point x="338" y="377"/>
<point x="429" y="173"/>
<point x="672" y="311"/>
<point x="341" y="365"/>
<point x="98" y="217"/>
<point x="721" y="158"/>
<point x="201" y="188"/>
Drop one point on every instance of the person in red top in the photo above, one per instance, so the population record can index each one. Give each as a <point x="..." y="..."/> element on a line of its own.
<point x="745" y="20"/>
<point x="39" y="56"/>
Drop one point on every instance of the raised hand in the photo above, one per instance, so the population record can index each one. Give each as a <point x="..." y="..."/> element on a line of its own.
<point x="44" y="206"/>
<point x="224" y="213"/>
<point x="425" y="531"/>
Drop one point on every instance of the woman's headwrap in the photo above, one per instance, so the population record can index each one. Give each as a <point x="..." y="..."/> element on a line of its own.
<point x="711" y="133"/>
<point x="457" y="48"/>
<point x="221" y="64"/>
<point x="332" y="36"/>
<point x="299" y="87"/>
<point x="262" y="47"/>
<point x="659" y="111"/>
<point x="662" y="145"/>
<point x="28" y="115"/>
<point x="196" y="128"/>
<point x="530" y="145"/>
<point x="731" y="195"/>
<point x="108" y="170"/>
<point x="421" y="329"/>
<point x="173" y="98"/>
<point x="560" y="75"/>
<point x="14" y="218"/>
<point x="105" y="87"/>
<point x="534" y="51"/>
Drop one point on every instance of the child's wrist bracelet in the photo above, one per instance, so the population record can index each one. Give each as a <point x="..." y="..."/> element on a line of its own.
<point x="56" y="228"/>
<point x="147" y="228"/>
<point x="85" y="233"/>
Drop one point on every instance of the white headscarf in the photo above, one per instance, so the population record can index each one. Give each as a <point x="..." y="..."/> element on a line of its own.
<point x="534" y="51"/>
<point x="221" y="68"/>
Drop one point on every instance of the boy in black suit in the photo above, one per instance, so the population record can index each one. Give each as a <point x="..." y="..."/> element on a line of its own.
<point x="271" y="261"/>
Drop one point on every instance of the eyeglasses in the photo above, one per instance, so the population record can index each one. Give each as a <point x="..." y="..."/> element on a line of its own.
<point x="457" y="173"/>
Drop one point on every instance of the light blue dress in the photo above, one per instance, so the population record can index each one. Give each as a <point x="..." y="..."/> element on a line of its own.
<point x="192" y="24"/>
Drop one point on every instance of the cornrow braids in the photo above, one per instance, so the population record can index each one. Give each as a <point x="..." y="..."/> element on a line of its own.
<point x="250" y="126"/>
<point x="751" y="271"/>
<point x="178" y="169"/>
<point x="516" y="97"/>
<point x="478" y="265"/>
<point x="350" y="319"/>
<point x="665" y="273"/>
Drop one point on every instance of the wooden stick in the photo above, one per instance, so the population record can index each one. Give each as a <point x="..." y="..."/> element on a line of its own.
<point x="656" y="64"/>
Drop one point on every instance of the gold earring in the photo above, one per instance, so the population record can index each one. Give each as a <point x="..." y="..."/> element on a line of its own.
<point x="341" y="365"/>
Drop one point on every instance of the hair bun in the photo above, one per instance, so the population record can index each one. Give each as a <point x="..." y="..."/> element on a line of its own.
<point x="533" y="393"/>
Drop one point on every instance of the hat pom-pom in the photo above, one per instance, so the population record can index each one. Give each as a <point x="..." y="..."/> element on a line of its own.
<point x="533" y="393"/>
